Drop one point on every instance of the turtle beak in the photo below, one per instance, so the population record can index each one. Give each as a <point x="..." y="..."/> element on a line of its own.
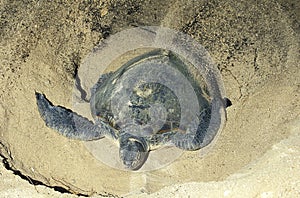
<point x="131" y="165"/>
<point x="133" y="160"/>
<point x="133" y="153"/>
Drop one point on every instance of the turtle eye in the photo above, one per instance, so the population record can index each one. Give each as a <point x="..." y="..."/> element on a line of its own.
<point x="138" y="156"/>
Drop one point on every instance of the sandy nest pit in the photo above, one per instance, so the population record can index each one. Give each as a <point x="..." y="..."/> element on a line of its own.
<point x="256" y="48"/>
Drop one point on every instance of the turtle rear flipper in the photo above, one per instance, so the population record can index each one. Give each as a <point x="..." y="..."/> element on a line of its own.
<point x="67" y="122"/>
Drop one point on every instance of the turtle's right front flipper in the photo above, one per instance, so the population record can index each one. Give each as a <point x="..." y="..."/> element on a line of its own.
<point x="69" y="123"/>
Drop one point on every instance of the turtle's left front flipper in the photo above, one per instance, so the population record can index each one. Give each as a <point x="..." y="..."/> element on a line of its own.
<point x="67" y="122"/>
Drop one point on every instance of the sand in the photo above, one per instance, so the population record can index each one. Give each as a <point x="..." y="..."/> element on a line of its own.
<point x="255" y="46"/>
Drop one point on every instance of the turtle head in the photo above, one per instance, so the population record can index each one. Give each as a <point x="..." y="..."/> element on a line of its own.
<point x="133" y="151"/>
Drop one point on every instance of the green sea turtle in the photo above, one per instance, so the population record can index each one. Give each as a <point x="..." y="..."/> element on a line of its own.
<point x="145" y="104"/>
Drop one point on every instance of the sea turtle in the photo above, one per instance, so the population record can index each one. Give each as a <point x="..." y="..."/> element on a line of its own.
<point x="140" y="111"/>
